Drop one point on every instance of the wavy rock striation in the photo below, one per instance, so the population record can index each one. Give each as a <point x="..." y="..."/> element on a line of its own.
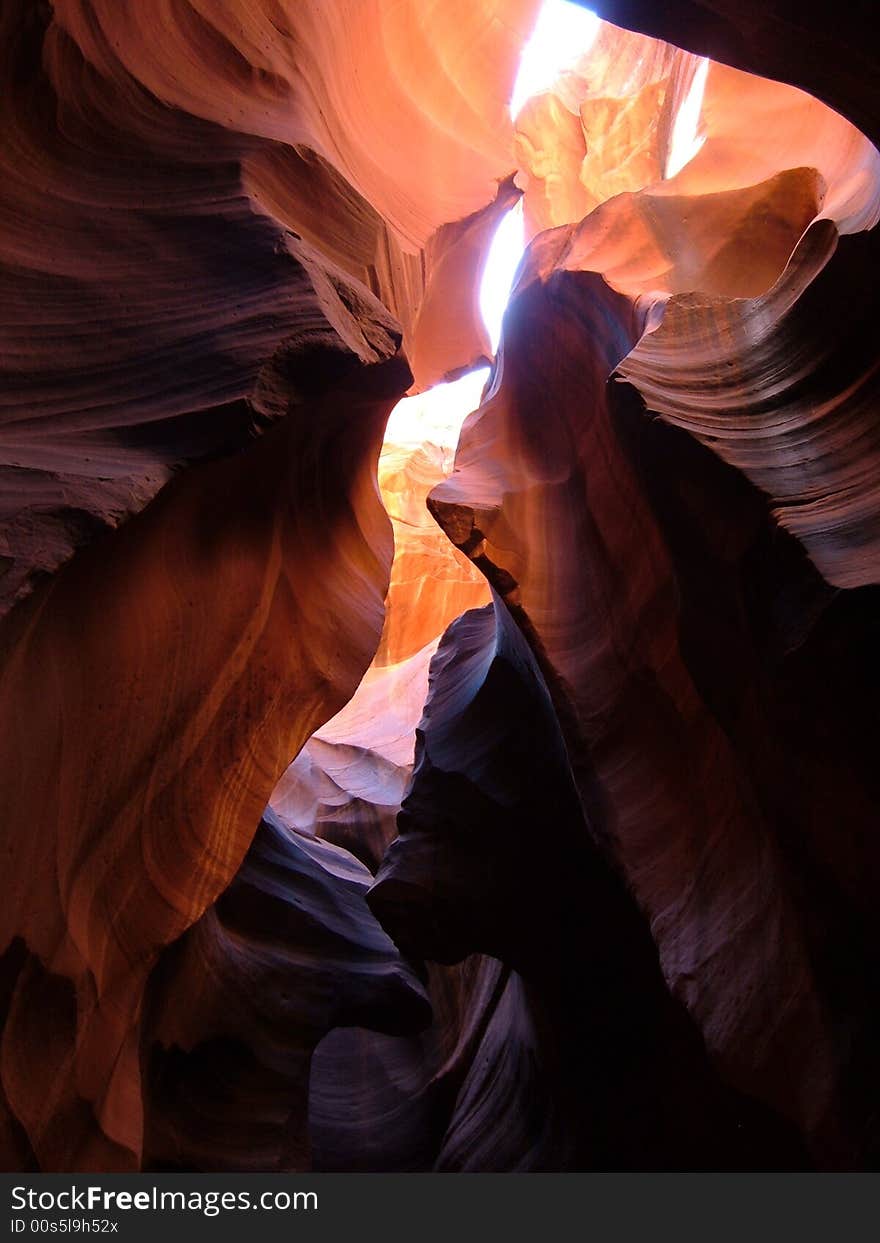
<point x="196" y="351"/>
<point x="668" y="772"/>
<point x="581" y="878"/>
<point x="289" y="952"/>
<point x="491" y="810"/>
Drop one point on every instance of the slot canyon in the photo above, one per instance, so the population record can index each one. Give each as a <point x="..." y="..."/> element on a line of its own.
<point x="439" y="562"/>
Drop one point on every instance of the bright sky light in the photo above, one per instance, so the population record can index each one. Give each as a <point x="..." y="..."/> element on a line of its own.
<point x="685" y="141"/>
<point x="504" y="255"/>
<point x="437" y="414"/>
<point x="562" y="34"/>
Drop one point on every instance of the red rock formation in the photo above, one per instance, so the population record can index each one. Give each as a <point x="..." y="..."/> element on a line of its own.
<point x="356" y="82"/>
<point x="449" y="335"/>
<point x="467" y="873"/>
<point x="832" y="55"/>
<point x="347" y="783"/>
<point x="670" y="787"/>
<point x="609" y="128"/>
<point x="159" y="312"/>
<point x="634" y="842"/>
<point x="154" y="642"/>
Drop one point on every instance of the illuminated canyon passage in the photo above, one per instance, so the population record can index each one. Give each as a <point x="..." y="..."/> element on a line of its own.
<point x="439" y="546"/>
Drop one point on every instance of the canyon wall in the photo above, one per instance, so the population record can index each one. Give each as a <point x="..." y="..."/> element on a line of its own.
<point x="493" y="802"/>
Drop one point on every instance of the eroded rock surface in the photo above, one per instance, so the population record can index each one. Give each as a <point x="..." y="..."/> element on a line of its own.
<point x="485" y="803"/>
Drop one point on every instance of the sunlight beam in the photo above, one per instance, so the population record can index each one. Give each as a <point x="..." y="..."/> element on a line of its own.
<point x="562" y="34"/>
<point x="502" y="261"/>
<point x="685" y="140"/>
<point x="436" y="415"/>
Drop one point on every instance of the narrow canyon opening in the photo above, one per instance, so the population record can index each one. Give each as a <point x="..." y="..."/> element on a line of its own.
<point x="440" y="539"/>
<point x="431" y="582"/>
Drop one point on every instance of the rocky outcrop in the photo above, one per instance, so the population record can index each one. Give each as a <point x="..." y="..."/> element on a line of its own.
<point x="165" y="659"/>
<point x="830" y="55"/>
<point x="637" y="647"/>
<point x="348" y="781"/>
<point x="491" y="811"/>
<point x="358" y="797"/>
<point x="190" y="358"/>
<point x="236" y="1007"/>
